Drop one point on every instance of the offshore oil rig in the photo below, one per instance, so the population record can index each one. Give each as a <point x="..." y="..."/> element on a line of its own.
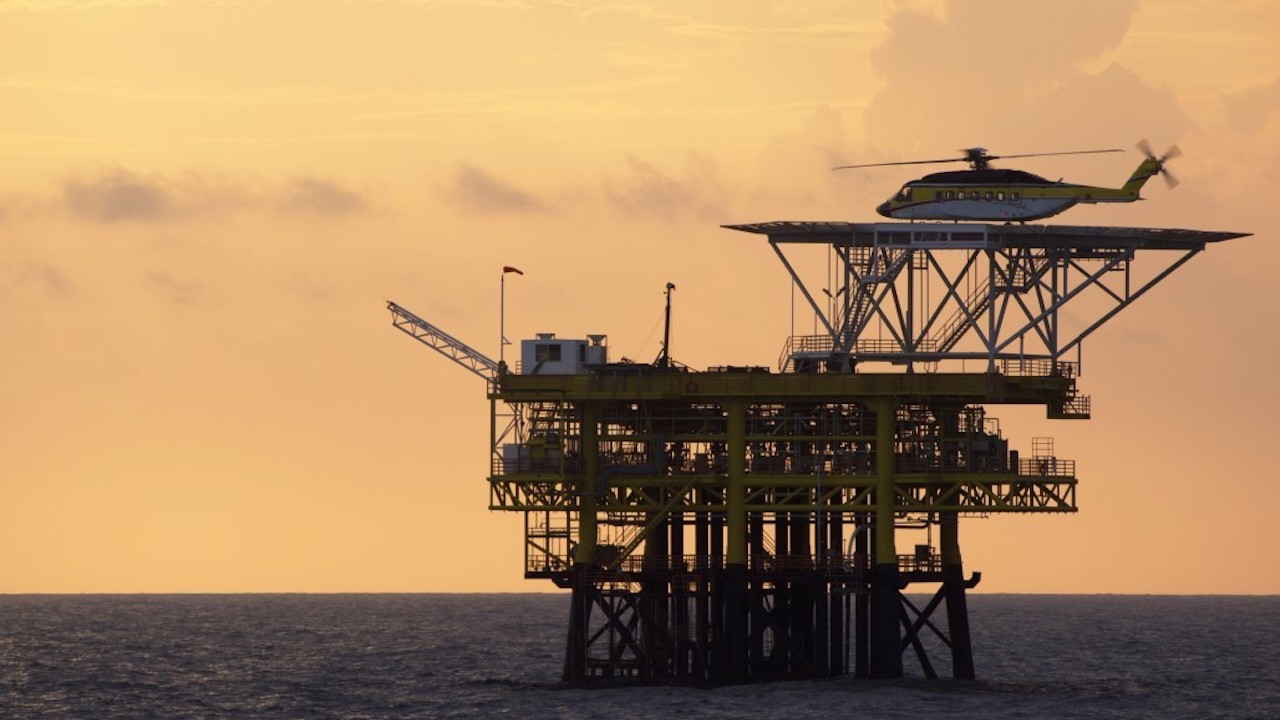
<point x="739" y="524"/>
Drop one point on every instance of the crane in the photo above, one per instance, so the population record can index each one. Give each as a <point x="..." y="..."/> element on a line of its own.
<point x="443" y="343"/>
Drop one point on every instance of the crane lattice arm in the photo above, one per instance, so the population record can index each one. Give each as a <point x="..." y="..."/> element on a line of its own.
<point x="443" y="343"/>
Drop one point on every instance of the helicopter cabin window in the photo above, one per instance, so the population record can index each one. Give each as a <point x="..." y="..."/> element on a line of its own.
<point x="990" y="195"/>
<point x="973" y="195"/>
<point x="1014" y="195"/>
<point x="999" y="194"/>
<point x="951" y="194"/>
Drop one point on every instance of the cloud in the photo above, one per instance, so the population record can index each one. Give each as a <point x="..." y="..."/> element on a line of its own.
<point x="116" y="194"/>
<point x="312" y="195"/>
<point x="987" y="72"/>
<point x="648" y="192"/>
<point x="479" y="190"/>
<point x="37" y="278"/>
<point x="172" y="289"/>
<point x="1002" y="40"/>
<point x="835" y="30"/>
<point x="1251" y="110"/>
<point x="794" y="168"/>
<point x="1113" y="103"/>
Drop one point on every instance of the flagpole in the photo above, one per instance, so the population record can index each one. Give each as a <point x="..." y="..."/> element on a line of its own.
<point x="502" y="316"/>
<point x="502" y="313"/>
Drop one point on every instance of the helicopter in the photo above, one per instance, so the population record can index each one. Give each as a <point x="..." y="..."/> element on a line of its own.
<point x="987" y="193"/>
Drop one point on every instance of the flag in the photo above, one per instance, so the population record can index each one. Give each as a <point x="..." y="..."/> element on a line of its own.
<point x="508" y="268"/>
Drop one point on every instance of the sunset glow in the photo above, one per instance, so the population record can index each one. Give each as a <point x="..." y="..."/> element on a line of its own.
<point x="205" y="205"/>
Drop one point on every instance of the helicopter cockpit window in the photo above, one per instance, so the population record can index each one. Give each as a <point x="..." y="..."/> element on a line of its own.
<point x="904" y="194"/>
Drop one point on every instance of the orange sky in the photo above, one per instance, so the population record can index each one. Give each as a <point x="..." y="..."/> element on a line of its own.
<point x="203" y="206"/>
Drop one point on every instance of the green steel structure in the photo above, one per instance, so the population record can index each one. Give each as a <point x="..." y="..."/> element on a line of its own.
<point x="742" y="523"/>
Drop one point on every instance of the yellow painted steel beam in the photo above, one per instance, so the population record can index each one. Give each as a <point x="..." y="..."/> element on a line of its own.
<point x="714" y="387"/>
<point x="885" y="499"/>
<point x="778" y="480"/>
<point x="967" y="493"/>
<point x="654" y="519"/>
<point x="735" y="493"/>
<point x="589" y="483"/>
<point x="814" y="508"/>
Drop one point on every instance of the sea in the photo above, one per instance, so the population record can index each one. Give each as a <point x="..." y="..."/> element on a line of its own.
<point x="492" y="656"/>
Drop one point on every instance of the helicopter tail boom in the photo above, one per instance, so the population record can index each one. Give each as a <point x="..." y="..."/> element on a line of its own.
<point x="1152" y="165"/>
<point x="1148" y="169"/>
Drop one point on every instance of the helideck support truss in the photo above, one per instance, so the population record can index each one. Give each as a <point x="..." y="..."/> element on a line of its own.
<point x="919" y="294"/>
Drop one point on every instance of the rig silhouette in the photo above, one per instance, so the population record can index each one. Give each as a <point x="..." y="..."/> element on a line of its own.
<point x="745" y="523"/>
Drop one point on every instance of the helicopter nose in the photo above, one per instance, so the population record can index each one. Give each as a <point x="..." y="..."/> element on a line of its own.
<point x="883" y="209"/>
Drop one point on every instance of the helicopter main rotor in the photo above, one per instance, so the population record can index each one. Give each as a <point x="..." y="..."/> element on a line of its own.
<point x="977" y="158"/>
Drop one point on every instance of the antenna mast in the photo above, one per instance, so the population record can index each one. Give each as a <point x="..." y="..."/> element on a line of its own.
<point x="664" y="358"/>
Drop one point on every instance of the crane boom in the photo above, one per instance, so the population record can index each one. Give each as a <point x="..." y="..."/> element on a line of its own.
<point x="443" y="343"/>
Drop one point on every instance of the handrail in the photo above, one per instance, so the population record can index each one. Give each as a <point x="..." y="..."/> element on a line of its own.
<point x="836" y="564"/>
<point x="1036" y="367"/>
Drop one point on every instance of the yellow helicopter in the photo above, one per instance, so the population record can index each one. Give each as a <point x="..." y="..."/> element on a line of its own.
<point x="986" y="193"/>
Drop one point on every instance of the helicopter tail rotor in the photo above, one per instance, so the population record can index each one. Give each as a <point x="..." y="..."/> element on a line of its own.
<point x="1173" y="152"/>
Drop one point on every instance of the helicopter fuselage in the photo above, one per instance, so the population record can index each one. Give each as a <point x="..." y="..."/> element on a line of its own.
<point x="1001" y="195"/>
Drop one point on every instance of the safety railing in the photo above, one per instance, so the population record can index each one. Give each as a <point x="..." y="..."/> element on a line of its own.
<point x="1037" y="367"/>
<point x="835" y="564"/>
<point x="1046" y="467"/>
<point x="920" y="563"/>
<point x="795" y="344"/>
<point x="819" y="346"/>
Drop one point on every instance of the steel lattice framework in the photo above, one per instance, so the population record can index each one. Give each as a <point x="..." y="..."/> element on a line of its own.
<point x="914" y="294"/>
<point x="743" y="524"/>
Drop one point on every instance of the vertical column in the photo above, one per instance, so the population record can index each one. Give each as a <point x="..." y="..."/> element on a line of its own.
<point x="886" y="650"/>
<point x="735" y="573"/>
<point x="836" y="560"/>
<point x="757" y="588"/>
<point x="861" y="600"/>
<point x="736" y="489"/>
<point x="588" y="498"/>
<point x="909" y="329"/>
<point x="584" y="556"/>
<point x="702" y="609"/>
<point x="992" y="272"/>
<point x="799" y="611"/>
<point x="680" y="576"/>
<point x="954" y="590"/>
<point x="655" y="594"/>
<point x="820" y="585"/>
<point x="717" y="654"/>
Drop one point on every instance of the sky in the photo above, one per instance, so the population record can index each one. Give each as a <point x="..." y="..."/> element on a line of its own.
<point x="204" y="206"/>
